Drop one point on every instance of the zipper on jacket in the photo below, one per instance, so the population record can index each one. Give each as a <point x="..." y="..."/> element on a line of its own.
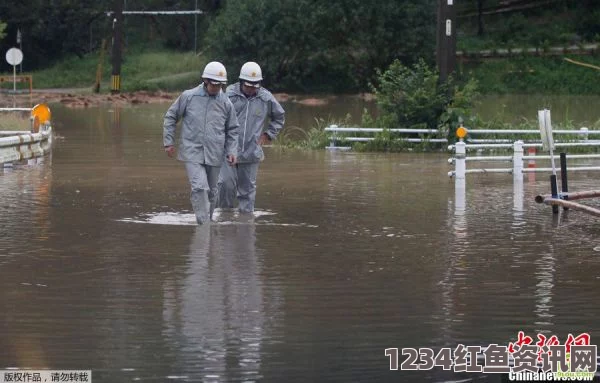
<point x="245" y="124"/>
<point x="205" y="114"/>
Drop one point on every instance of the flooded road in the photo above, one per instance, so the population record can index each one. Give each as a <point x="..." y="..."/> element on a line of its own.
<point x="347" y="255"/>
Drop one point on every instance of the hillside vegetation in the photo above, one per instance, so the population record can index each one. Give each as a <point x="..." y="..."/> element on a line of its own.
<point x="303" y="46"/>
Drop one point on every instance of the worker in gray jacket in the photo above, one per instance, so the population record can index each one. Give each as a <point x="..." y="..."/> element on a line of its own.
<point x="254" y="106"/>
<point x="209" y="134"/>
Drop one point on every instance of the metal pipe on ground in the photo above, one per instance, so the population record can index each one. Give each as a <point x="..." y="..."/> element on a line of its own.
<point x="572" y="195"/>
<point x="556" y="202"/>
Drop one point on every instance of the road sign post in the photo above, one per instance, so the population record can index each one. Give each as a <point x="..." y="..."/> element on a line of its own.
<point x="14" y="57"/>
<point x="19" y="41"/>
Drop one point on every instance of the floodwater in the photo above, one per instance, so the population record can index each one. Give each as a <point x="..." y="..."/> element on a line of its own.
<point x="102" y="269"/>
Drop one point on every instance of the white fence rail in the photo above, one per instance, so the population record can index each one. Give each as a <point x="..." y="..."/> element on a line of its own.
<point x="340" y="134"/>
<point x="558" y="198"/>
<point x="460" y="158"/>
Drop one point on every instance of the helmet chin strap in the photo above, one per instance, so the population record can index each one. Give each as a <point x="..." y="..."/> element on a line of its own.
<point x="243" y="87"/>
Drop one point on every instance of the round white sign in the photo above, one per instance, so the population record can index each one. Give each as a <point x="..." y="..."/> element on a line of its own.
<point x="14" y="56"/>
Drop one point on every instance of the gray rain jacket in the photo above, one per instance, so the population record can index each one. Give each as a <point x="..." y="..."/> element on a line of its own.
<point x="252" y="114"/>
<point x="209" y="129"/>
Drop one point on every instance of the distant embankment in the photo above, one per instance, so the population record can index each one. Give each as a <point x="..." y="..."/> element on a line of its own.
<point x="586" y="49"/>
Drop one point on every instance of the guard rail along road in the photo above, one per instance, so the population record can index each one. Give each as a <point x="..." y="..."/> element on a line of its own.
<point x="460" y="149"/>
<point x="340" y="134"/>
<point x="19" y="145"/>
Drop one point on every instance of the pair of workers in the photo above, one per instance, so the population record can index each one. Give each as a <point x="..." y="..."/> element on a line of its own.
<point x="222" y="135"/>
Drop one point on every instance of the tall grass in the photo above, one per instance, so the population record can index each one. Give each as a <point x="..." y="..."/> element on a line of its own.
<point x="162" y="70"/>
<point x="140" y="70"/>
<point x="314" y="138"/>
<point x="534" y="75"/>
<point x="15" y="121"/>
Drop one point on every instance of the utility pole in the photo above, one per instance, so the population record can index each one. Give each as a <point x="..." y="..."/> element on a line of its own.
<point x="479" y="17"/>
<point x="446" y="39"/>
<point x="196" y="29"/>
<point x="20" y="42"/>
<point x="116" y="48"/>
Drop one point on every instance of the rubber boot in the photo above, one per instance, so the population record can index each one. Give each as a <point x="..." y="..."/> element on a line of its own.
<point x="200" y="205"/>
<point x="212" y="209"/>
<point x="246" y="205"/>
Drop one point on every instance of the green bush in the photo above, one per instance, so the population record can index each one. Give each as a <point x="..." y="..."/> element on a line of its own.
<point x="412" y="97"/>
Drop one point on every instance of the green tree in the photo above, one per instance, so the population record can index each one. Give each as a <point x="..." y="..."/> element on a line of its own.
<point x="322" y="45"/>
<point x="171" y="31"/>
<point x="52" y="28"/>
<point x="587" y="24"/>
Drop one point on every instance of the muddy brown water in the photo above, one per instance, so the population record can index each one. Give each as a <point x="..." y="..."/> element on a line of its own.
<point x="102" y="269"/>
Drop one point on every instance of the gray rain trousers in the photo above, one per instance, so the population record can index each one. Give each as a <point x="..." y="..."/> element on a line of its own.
<point x="209" y="132"/>
<point x="203" y="182"/>
<point x="256" y="115"/>
<point x="239" y="182"/>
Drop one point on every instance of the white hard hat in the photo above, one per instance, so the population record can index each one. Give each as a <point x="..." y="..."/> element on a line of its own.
<point x="215" y="71"/>
<point x="251" y="72"/>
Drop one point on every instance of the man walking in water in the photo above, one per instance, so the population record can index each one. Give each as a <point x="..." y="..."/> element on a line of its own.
<point x="209" y="134"/>
<point x="254" y="106"/>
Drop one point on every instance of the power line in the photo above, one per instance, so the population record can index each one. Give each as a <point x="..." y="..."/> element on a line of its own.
<point x="119" y="12"/>
<point x="508" y="7"/>
<point x="194" y="12"/>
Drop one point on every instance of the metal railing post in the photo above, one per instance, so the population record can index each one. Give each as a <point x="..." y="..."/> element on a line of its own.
<point x="518" y="158"/>
<point x="460" y="163"/>
<point x="333" y="136"/>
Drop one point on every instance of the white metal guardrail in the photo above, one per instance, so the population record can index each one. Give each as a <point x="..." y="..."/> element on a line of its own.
<point x="13" y="132"/>
<point x="22" y="145"/>
<point x="25" y="146"/>
<point x="340" y="134"/>
<point x="556" y="198"/>
<point x="15" y="109"/>
<point x="460" y="158"/>
<point x="547" y="143"/>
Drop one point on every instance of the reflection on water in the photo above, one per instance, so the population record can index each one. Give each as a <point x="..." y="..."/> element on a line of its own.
<point x="349" y="254"/>
<point x="545" y="269"/>
<point x="25" y="197"/>
<point x="518" y="195"/>
<point x="214" y="314"/>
